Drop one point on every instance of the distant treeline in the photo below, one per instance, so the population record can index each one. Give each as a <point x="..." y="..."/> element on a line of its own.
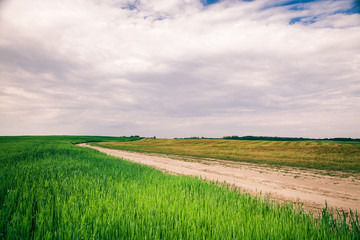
<point x="291" y="138"/>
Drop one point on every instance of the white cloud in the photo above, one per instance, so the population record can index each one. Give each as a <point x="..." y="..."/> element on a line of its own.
<point x="176" y="68"/>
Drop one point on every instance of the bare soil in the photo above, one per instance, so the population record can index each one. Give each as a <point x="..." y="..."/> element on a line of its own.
<point x="308" y="187"/>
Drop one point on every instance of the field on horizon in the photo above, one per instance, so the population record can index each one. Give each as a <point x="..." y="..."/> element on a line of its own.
<point x="304" y="154"/>
<point x="52" y="189"/>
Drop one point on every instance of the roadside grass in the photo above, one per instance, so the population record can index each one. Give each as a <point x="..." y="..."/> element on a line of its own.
<point x="330" y="156"/>
<point x="51" y="189"/>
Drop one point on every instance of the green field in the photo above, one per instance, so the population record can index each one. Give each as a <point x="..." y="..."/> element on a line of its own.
<point x="304" y="154"/>
<point x="52" y="189"/>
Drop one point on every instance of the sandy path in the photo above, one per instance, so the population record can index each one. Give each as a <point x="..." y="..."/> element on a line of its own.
<point x="307" y="187"/>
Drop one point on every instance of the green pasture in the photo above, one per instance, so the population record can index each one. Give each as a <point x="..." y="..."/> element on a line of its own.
<point x="52" y="189"/>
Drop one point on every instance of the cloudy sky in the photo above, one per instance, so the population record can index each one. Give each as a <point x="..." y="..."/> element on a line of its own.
<point x="180" y="68"/>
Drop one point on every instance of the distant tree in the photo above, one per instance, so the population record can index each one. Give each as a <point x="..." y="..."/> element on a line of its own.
<point x="255" y="138"/>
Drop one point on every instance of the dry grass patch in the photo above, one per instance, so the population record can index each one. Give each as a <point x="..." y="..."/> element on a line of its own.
<point x="315" y="155"/>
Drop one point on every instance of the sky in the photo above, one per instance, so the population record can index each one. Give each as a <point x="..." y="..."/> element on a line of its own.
<point x="180" y="68"/>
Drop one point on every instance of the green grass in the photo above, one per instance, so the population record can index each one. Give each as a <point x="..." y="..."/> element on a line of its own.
<point x="305" y="154"/>
<point x="51" y="189"/>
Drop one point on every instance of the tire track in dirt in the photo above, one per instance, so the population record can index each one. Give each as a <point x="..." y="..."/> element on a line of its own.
<point x="304" y="186"/>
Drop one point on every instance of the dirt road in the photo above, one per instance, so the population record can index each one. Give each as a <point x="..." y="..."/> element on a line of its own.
<point x="306" y="186"/>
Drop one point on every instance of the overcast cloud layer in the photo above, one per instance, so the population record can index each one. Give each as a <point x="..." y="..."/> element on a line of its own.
<point x="180" y="68"/>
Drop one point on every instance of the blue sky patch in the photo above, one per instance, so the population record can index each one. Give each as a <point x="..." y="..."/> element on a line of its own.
<point x="303" y="20"/>
<point x="300" y="5"/>
<point x="209" y="2"/>
<point x="297" y="3"/>
<point x="355" y="9"/>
